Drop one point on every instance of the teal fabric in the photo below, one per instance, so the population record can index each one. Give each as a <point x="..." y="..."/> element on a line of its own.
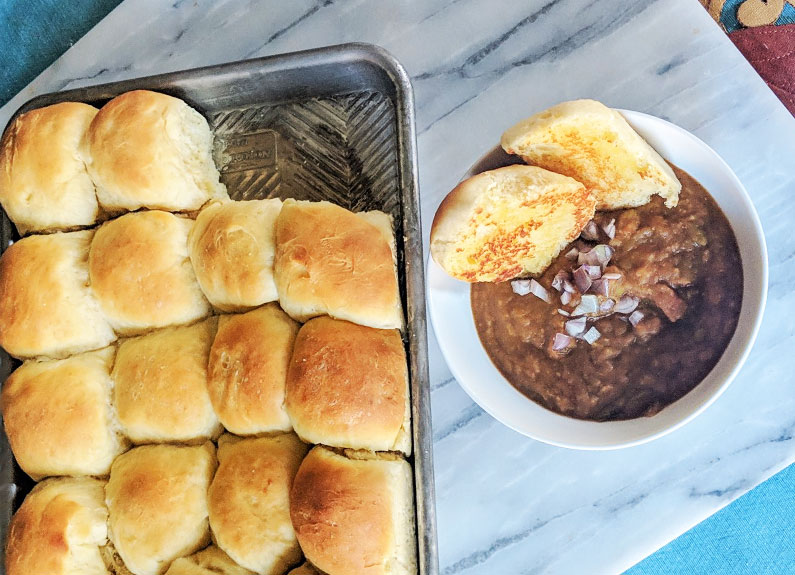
<point x="728" y="15"/>
<point x="752" y="535"/>
<point x="33" y="33"/>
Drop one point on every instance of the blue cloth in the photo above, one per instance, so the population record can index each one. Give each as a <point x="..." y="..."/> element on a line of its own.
<point x="34" y="33"/>
<point x="752" y="535"/>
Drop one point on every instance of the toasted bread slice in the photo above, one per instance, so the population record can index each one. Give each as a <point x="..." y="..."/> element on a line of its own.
<point x="595" y="145"/>
<point x="508" y="222"/>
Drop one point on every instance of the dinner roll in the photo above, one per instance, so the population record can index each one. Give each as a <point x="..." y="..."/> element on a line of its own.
<point x="44" y="185"/>
<point x="305" y="569"/>
<point x="157" y="504"/>
<point x="46" y="308"/>
<point x="248" y="370"/>
<point x="595" y="145"/>
<point x="150" y="150"/>
<point x="59" y="529"/>
<point x="141" y="273"/>
<point x="355" y="517"/>
<point x="332" y="261"/>
<point x="508" y="222"/>
<point x="58" y="416"/>
<point x="209" y="561"/>
<point x="347" y="386"/>
<point x="231" y="248"/>
<point x="161" y="385"/>
<point x="249" y="501"/>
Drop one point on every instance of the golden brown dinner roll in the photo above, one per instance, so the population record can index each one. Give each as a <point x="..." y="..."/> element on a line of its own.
<point x="508" y="222"/>
<point x="248" y="370"/>
<point x="157" y="504"/>
<point x="161" y="385"/>
<point x="141" y="273"/>
<point x="209" y="561"/>
<point x="305" y="569"/>
<point x="347" y="386"/>
<point x="232" y="247"/>
<point x="150" y="150"/>
<point x="46" y="308"/>
<point x="249" y="501"/>
<point x="595" y="145"/>
<point x="44" y="185"/>
<point x="59" y="529"/>
<point x="332" y="261"/>
<point x="58" y="416"/>
<point x="355" y="517"/>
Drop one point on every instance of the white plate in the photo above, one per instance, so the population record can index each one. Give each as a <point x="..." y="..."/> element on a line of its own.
<point x="451" y="314"/>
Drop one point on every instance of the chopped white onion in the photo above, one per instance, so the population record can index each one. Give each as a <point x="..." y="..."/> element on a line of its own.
<point x="635" y="317"/>
<point x="590" y="232"/>
<point x="572" y="254"/>
<point x="520" y="287"/>
<point x="564" y="313"/>
<point x="560" y="277"/>
<point x="600" y="287"/>
<point x="569" y="287"/>
<point x="561" y="342"/>
<point x="626" y="304"/>
<point x="588" y="304"/>
<point x="594" y="272"/>
<point x="611" y="276"/>
<point x="591" y="335"/>
<point x="582" y="279"/>
<point x="565" y="298"/>
<point x="610" y="228"/>
<point x="607" y="305"/>
<point x="575" y="327"/>
<point x="539" y="291"/>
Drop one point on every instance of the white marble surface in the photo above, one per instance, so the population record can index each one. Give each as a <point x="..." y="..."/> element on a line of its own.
<point x="507" y="504"/>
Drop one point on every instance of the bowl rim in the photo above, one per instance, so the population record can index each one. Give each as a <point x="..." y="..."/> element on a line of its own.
<point x="756" y="305"/>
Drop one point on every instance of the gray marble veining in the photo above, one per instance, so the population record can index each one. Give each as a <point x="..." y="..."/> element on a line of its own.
<point x="507" y="504"/>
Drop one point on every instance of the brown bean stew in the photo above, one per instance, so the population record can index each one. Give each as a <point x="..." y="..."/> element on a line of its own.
<point x="681" y="266"/>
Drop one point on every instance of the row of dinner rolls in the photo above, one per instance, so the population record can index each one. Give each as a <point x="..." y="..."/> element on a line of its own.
<point x="69" y="292"/>
<point x="334" y="382"/>
<point x="69" y="165"/>
<point x="261" y="501"/>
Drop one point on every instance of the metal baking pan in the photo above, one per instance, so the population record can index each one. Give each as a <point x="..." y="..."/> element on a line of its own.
<point x="333" y="124"/>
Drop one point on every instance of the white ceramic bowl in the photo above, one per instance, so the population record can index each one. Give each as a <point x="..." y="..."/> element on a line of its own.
<point x="451" y="314"/>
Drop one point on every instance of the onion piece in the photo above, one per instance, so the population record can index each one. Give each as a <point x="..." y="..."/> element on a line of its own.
<point x="520" y="287"/>
<point x="572" y="254"/>
<point x="561" y="342"/>
<point x="601" y="287"/>
<point x="564" y="313"/>
<point x="610" y="229"/>
<point x="575" y="327"/>
<point x="611" y="276"/>
<point x="565" y="298"/>
<point x="591" y="335"/>
<point x="588" y="304"/>
<point x="599" y="256"/>
<point x="607" y="305"/>
<point x="626" y="304"/>
<point x="582" y="279"/>
<point x="590" y="232"/>
<point x="635" y="317"/>
<point x="594" y="272"/>
<point x="569" y="287"/>
<point x="560" y="277"/>
<point x="539" y="291"/>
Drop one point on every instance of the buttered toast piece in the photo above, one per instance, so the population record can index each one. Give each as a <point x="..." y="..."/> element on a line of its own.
<point x="595" y="145"/>
<point x="508" y="222"/>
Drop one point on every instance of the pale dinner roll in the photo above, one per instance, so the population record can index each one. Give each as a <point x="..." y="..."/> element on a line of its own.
<point x="232" y="248"/>
<point x="247" y="371"/>
<point x="150" y="150"/>
<point x="355" y="517"/>
<point x="58" y="416"/>
<point x="157" y="504"/>
<point x="332" y="261"/>
<point x="347" y="386"/>
<point x="305" y="569"/>
<point x="595" y="145"/>
<point x="59" y="529"/>
<point x="209" y="561"/>
<point x="141" y="274"/>
<point x="249" y="501"/>
<point x="46" y="308"/>
<point x="44" y="185"/>
<point x="161" y="385"/>
<point x="508" y="222"/>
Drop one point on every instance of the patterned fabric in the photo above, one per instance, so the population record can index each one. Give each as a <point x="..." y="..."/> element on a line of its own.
<point x="764" y="31"/>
